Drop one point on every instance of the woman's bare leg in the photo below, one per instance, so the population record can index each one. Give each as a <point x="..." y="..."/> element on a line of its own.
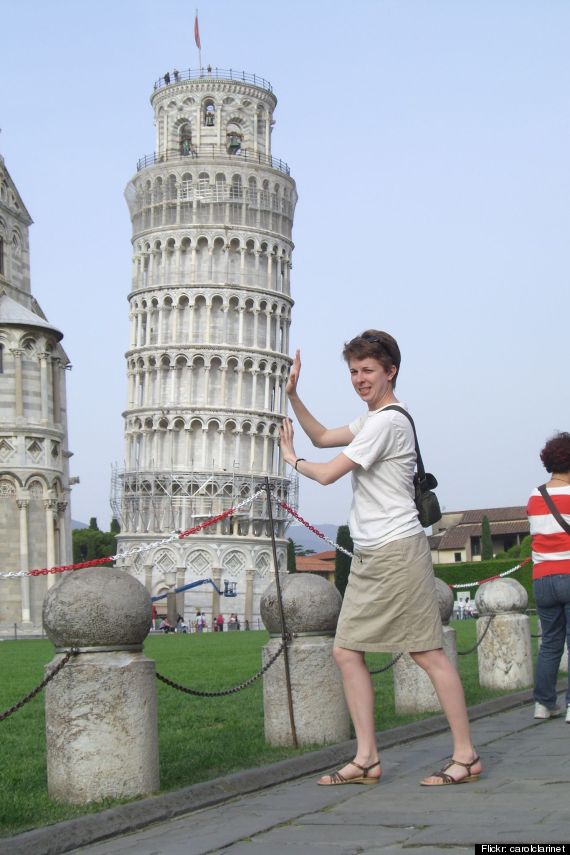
<point x="449" y="690"/>
<point x="359" y="696"/>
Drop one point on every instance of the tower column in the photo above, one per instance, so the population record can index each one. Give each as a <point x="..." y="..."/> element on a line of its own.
<point x="56" y="389"/>
<point x="49" y="505"/>
<point x="249" y="575"/>
<point x="254" y="389"/>
<point x="19" y="403"/>
<point x="23" y="505"/>
<point x="61" y="509"/>
<point x="43" y="358"/>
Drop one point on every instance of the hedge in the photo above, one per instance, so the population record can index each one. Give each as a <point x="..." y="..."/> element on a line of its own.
<point x="473" y="571"/>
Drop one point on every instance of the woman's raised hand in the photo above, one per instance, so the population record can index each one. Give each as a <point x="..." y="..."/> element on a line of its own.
<point x="293" y="379"/>
<point x="286" y="442"/>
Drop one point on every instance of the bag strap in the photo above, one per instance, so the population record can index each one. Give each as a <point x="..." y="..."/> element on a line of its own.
<point x="553" y="509"/>
<point x="419" y="461"/>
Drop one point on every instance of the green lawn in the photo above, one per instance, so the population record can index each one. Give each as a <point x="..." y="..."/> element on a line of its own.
<point x="200" y="738"/>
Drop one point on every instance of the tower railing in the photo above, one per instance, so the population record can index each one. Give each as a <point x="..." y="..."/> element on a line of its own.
<point x="209" y="73"/>
<point x="213" y="152"/>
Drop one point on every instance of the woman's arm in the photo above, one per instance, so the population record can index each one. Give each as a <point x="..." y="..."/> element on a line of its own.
<point x="320" y="436"/>
<point x="323" y="473"/>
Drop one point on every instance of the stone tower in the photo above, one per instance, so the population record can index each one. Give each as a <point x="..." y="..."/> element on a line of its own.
<point x="34" y="459"/>
<point x="210" y="309"/>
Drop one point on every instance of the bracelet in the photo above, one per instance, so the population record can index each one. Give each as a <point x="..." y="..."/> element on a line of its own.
<point x="298" y="460"/>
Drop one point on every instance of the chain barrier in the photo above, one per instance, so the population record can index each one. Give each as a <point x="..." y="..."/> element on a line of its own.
<point x="477" y="643"/>
<point x="389" y="665"/>
<point x="491" y="578"/>
<point x="312" y="528"/>
<point x="223" y="692"/>
<point x="135" y="550"/>
<point x="31" y="695"/>
<point x="337" y="546"/>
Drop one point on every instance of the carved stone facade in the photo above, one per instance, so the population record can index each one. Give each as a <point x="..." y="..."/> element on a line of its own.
<point x="210" y="309"/>
<point x="35" y="516"/>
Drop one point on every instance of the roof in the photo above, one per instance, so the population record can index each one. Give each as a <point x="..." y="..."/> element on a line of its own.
<point x="13" y="313"/>
<point x="457" y="537"/>
<point x="321" y="562"/>
<point x="15" y="207"/>
<point x="495" y="515"/>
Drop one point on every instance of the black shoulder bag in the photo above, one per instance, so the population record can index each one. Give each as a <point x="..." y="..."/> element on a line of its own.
<point x="553" y="509"/>
<point x="426" y="501"/>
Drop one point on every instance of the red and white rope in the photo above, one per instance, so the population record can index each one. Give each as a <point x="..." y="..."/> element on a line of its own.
<point x="320" y="534"/>
<point x="491" y="578"/>
<point x="178" y="535"/>
<point x="135" y="550"/>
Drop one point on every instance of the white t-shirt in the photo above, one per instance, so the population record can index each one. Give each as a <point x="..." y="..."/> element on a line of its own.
<point x="383" y="507"/>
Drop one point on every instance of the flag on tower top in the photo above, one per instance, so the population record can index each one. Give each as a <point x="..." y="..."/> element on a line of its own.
<point x="197" y="33"/>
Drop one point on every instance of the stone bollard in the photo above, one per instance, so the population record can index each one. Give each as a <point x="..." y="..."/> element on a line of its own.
<point x="311" y="606"/>
<point x="101" y="723"/>
<point x="413" y="689"/>
<point x="504" y="652"/>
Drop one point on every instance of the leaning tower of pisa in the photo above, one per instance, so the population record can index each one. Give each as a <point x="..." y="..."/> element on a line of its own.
<point x="210" y="309"/>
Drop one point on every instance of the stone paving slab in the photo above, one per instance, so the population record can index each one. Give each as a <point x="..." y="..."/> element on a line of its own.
<point x="524" y="793"/>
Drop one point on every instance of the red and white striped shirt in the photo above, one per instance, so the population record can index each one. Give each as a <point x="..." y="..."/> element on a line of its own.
<point x="550" y="543"/>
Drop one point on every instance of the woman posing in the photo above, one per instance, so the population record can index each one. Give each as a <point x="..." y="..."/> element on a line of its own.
<point x="390" y="601"/>
<point x="551" y="573"/>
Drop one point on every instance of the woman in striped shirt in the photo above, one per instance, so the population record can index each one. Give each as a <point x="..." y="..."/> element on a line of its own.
<point x="551" y="573"/>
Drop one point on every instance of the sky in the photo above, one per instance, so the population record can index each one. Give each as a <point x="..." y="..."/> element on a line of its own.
<point x="429" y="140"/>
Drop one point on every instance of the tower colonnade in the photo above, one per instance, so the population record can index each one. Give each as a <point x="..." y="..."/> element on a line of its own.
<point x="210" y="310"/>
<point x="250" y="319"/>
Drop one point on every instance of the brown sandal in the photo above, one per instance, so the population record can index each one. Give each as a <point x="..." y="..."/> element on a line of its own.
<point x="336" y="779"/>
<point x="448" y="779"/>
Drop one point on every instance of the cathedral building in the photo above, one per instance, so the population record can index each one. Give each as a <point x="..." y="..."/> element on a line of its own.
<point x="34" y="459"/>
<point x="210" y="309"/>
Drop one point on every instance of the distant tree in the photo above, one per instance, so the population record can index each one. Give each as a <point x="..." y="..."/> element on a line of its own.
<point x="90" y="543"/>
<point x="526" y="548"/>
<point x="513" y="552"/>
<point x="115" y="527"/>
<point x="486" y="540"/>
<point x="291" y="553"/>
<point x="303" y="550"/>
<point x="342" y="561"/>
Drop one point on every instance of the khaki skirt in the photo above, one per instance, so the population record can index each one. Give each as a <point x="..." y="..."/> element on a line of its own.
<point x="390" y="602"/>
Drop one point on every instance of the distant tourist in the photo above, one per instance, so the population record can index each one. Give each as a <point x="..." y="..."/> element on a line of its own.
<point x="549" y="517"/>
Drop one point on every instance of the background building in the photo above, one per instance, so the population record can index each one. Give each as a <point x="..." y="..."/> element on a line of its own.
<point x="210" y="309"/>
<point x="34" y="473"/>
<point x="457" y="536"/>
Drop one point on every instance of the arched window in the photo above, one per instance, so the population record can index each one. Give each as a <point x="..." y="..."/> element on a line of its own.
<point x="233" y="138"/>
<point x="209" y="113"/>
<point x="236" y="190"/>
<point x="185" y="139"/>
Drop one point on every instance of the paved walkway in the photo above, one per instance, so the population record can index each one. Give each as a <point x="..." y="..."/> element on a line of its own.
<point x="523" y="797"/>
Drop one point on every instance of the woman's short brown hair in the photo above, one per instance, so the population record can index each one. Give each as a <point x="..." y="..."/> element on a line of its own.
<point x="556" y="453"/>
<point x="377" y="345"/>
